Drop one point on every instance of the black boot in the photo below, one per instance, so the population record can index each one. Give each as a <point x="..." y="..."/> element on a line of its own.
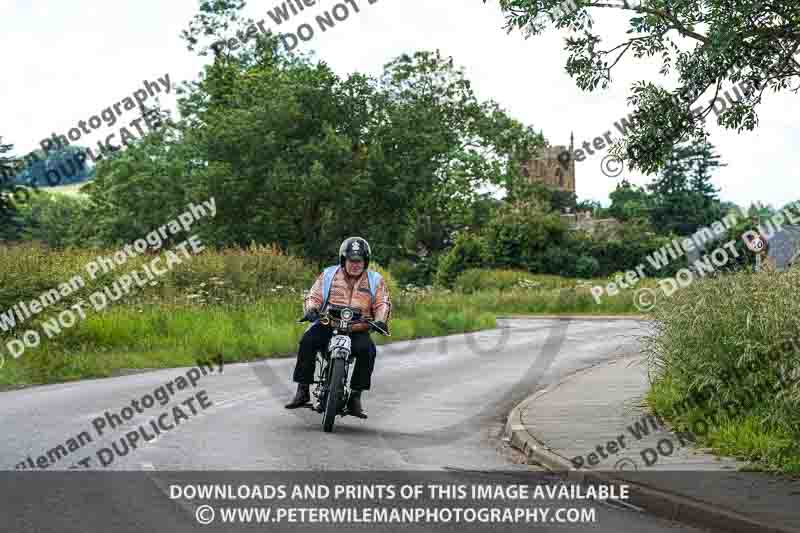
<point x="354" y="405"/>
<point x="301" y="398"/>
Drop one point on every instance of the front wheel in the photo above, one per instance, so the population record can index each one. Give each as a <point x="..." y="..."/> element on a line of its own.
<point x="335" y="394"/>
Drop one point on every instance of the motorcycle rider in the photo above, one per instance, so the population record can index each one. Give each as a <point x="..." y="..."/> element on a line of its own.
<point x="349" y="286"/>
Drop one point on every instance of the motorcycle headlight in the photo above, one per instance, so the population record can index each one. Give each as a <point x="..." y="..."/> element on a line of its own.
<point x="347" y="314"/>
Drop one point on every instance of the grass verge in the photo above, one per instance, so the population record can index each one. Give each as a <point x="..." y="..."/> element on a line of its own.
<point x="725" y="358"/>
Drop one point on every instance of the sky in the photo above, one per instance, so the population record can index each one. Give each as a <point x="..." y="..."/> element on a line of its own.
<point x="67" y="61"/>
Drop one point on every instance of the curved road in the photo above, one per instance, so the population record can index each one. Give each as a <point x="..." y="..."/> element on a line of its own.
<point x="435" y="405"/>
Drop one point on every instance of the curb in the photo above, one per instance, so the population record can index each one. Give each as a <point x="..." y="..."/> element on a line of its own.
<point x="658" y="502"/>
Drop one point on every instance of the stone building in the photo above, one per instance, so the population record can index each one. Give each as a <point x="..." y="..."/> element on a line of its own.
<point x="554" y="167"/>
<point x="583" y="221"/>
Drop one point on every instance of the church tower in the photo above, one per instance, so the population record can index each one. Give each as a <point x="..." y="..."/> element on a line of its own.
<point x="554" y="167"/>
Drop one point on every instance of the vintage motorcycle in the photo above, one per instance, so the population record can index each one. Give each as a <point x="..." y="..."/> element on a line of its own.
<point x="331" y="388"/>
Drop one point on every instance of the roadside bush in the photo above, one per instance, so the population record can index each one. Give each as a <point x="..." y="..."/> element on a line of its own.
<point x="555" y="260"/>
<point x="420" y="272"/>
<point x="476" y="279"/>
<point x="586" y="267"/>
<point x="627" y="248"/>
<point x="402" y="270"/>
<point x="520" y="235"/>
<point x="468" y="251"/>
<point x="58" y="220"/>
<point x="425" y="270"/>
<point x="163" y="335"/>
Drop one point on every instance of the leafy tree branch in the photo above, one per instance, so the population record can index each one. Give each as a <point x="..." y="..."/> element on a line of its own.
<point x="752" y="43"/>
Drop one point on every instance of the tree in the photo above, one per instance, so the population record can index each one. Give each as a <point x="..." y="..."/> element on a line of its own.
<point x="297" y="155"/>
<point x="58" y="220"/>
<point x="728" y="206"/>
<point x="301" y="157"/>
<point x="761" y="211"/>
<point x="751" y="43"/>
<point x="521" y="235"/>
<point x="625" y="248"/>
<point x="588" y="205"/>
<point x="586" y="267"/>
<point x="683" y="197"/>
<point x="629" y="202"/>
<point x="140" y="188"/>
<point x="468" y="251"/>
<point x="524" y="190"/>
<point x="478" y="142"/>
<point x="10" y="194"/>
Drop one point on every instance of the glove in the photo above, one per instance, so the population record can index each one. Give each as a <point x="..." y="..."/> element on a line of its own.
<point x="311" y="315"/>
<point x="382" y="325"/>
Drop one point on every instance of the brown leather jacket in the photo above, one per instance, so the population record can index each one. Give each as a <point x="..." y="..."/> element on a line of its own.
<point x="353" y="293"/>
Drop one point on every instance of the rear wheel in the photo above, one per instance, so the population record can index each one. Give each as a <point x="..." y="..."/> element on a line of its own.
<point x="335" y="393"/>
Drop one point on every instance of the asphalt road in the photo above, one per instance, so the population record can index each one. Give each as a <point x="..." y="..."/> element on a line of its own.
<point x="435" y="405"/>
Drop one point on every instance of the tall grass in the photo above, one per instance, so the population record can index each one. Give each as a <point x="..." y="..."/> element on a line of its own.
<point x="513" y="291"/>
<point x="477" y="279"/>
<point x="163" y="335"/>
<point x="725" y="354"/>
<point x="231" y="275"/>
<point x="240" y="303"/>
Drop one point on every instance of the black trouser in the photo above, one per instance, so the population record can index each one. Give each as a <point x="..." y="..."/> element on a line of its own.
<point x="317" y="338"/>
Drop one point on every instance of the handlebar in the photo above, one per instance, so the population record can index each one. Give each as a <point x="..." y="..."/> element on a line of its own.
<point x="379" y="330"/>
<point x="371" y="323"/>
